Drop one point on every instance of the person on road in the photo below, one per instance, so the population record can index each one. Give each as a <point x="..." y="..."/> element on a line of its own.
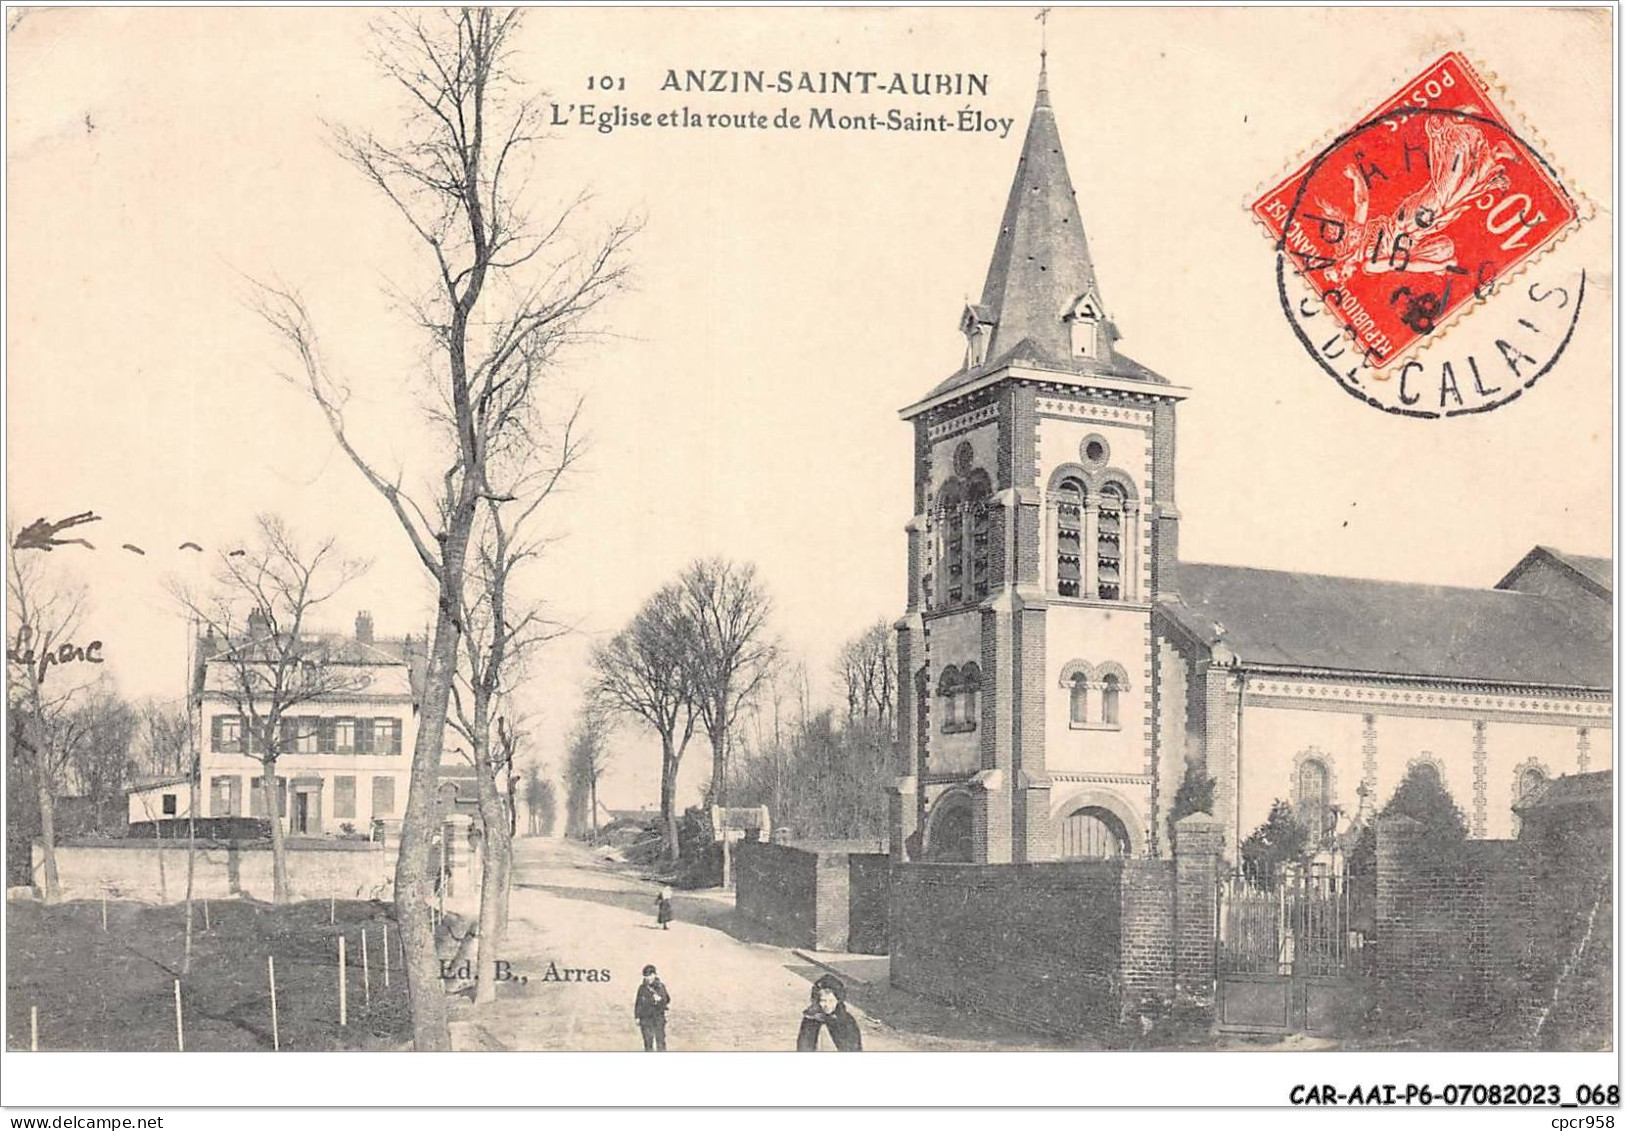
<point x="650" y="1010"/>
<point x="663" y="909"/>
<point x="828" y="1009"/>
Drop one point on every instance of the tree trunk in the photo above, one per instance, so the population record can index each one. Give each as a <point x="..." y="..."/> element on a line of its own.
<point x="592" y="806"/>
<point x="493" y="870"/>
<point x="279" y="844"/>
<point x="191" y="862"/>
<point x="719" y="758"/>
<point x="414" y="887"/>
<point x="49" y="884"/>
<point x="668" y="800"/>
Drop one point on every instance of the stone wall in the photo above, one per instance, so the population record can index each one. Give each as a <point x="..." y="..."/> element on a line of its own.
<point x="155" y="870"/>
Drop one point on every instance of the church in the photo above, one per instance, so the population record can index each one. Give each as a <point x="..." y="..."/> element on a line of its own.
<point x="1064" y="666"/>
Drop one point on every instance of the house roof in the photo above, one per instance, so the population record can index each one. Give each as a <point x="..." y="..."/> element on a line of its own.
<point x="1591" y="573"/>
<point x="379" y="667"/>
<point x="1277" y="618"/>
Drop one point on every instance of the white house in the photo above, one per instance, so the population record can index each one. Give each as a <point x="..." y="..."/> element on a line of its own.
<point x="347" y="754"/>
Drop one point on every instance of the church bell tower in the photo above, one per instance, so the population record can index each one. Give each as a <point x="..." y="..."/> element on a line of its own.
<point x="1043" y="530"/>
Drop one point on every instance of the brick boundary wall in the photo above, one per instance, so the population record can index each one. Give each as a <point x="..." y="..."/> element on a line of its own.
<point x="825" y="899"/>
<point x="776" y="885"/>
<point x="1068" y="947"/>
<point x="1483" y="939"/>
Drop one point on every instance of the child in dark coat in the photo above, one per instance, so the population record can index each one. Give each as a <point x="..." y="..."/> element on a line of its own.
<point x="663" y="908"/>
<point x="650" y="1010"/>
<point x="828" y="1010"/>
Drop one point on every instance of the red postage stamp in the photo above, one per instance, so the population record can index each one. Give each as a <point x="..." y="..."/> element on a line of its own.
<point x="1414" y="214"/>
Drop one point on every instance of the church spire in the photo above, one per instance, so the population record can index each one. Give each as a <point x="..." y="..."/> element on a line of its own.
<point x="1041" y="286"/>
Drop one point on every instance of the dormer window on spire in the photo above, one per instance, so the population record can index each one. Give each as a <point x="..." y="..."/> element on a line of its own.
<point x="977" y="327"/>
<point x="1086" y="323"/>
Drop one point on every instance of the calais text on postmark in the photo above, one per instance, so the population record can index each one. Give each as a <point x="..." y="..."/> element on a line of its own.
<point x="1404" y="224"/>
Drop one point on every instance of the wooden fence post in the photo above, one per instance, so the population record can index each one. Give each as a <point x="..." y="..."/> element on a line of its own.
<point x="276" y="1035"/>
<point x="344" y="1004"/>
<point x="180" y="1033"/>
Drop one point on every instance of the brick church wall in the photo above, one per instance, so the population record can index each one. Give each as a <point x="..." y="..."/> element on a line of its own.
<point x="1484" y="940"/>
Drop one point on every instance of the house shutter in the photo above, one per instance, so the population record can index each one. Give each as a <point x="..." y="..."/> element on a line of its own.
<point x="256" y="797"/>
<point x="236" y="796"/>
<point x="344" y="797"/>
<point x="363" y="736"/>
<point x="325" y="735"/>
<point x="383" y="796"/>
<point x="214" y="732"/>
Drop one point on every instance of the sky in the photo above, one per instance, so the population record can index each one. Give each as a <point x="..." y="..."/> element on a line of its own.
<point x="794" y="288"/>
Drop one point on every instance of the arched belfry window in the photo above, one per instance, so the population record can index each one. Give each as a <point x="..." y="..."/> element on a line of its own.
<point x="1069" y="495"/>
<point x="978" y="494"/>
<point x="948" y="694"/>
<point x="951" y="523"/>
<point x="1113" y="524"/>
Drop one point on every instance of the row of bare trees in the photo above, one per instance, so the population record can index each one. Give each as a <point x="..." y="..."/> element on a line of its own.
<point x="503" y="294"/>
<point x="822" y="770"/>
<point x="690" y="659"/>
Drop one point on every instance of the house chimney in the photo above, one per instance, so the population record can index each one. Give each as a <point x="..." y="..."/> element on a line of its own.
<point x="258" y="622"/>
<point x="363" y="627"/>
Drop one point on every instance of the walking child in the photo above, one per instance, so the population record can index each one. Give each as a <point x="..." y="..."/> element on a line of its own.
<point x="650" y="1010"/>
<point x="663" y="908"/>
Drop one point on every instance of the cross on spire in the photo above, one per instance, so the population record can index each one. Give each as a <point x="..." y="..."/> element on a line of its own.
<point x="1043" y="41"/>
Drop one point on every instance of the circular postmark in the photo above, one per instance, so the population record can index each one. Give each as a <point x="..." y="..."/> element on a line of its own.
<point x="1406" y="225"/>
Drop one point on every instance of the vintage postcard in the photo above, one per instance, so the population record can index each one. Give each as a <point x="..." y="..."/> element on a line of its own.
<point x="906" y="530"/>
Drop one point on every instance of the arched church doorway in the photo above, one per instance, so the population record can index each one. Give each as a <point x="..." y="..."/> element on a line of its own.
<point x="948" y="839"/>
<point x="1093" y="833"/>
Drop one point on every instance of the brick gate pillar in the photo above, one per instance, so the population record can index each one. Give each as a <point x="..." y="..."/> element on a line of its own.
<point x="1198" y="858"/>
<point x="1400" y="958"/>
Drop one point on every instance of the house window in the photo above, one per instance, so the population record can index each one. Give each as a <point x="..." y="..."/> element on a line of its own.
<point x="1080" y="699"/>
<point x="1109" y="542"/>
<point x="344" y="797"/>
<point x="171" y="804"/>
<point x="1314" y="799"/>
<point x="344" y="736"/>
<point x="1069" y="538"/>
<point x="308" y="739"/>
<point x="226" y="796"/>
<point x="383" y="796"/>
<point x="228" y="733"/>
<point x="387" y="735"/>
<point x="256" y="797"/>
<point x="1110" y="687"/>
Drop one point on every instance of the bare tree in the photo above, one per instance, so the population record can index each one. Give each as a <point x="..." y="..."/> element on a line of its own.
<point x="645" y="672"/>
<point x="506" y="296"/>
<point x="726" y="609"/>
<point x="497" y="639"/>
<point x="866" y="672"/>
<point x="47" y="613"/>
<point x="264" y="661"/>
<point x="541" y="804"/>
<point x="162" y="744"/>
<point x="588" y="759"/>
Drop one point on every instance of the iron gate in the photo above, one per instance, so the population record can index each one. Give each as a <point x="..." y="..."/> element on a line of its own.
<point x="1287" y="955"/>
